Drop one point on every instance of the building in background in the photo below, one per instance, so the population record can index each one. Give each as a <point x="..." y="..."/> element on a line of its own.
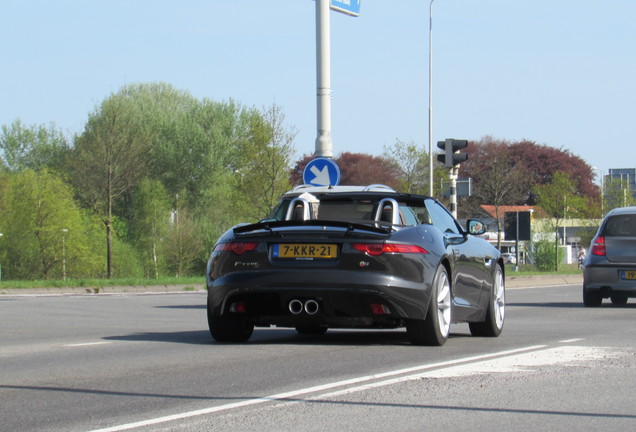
<point x="521" y="226"/>
<point x="619" y="187"/>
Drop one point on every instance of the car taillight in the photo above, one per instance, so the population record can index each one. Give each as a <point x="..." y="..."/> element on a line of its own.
<point x="376" y="249"/>
<point x="238" y="248"/>
<point x="598" y="246"/>
<point x="380" y="309"/>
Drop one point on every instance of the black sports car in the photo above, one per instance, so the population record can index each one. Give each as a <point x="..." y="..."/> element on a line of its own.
<point x="355" y="257"/>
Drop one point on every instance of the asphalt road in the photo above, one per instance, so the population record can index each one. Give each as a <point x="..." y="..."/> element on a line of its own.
<point x="146" y="362"/>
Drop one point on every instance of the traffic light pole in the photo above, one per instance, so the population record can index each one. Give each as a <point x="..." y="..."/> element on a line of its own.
<point x="452" y="175"/>
<point x="451" y="158"/>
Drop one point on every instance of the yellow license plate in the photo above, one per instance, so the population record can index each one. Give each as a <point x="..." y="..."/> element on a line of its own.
<point x="628" y="274"/>
<point x="294" y="250"/>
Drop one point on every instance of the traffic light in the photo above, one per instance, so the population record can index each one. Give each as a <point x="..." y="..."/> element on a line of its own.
<point x="449" y="158"/>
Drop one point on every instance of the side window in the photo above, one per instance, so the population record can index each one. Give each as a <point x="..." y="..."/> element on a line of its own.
<point x="414" y="215"/>
<point x="408" y="217"/>
<point x="441" y="218"/>
<point x="280" y="210"/>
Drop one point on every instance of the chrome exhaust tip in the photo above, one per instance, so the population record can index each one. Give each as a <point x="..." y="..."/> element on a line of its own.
<point x="311" y="307"/>
<point x="295" y="306"/>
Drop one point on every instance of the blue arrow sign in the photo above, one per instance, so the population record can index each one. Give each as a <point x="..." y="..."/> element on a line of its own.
<point x="321" y="172"/>
<point x="350" y="7"/>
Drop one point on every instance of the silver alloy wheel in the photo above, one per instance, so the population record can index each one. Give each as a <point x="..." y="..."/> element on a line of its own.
<point x="499" y="299"/>
<point x="443" y="304"/>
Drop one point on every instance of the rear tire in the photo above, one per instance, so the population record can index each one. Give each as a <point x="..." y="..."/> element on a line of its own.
<point x="496" y="311"/>
<point x="619" y="299"/>
<point x="592" y="298"/>
<point x="229" y="328"/>
<point x="434" y="330"/>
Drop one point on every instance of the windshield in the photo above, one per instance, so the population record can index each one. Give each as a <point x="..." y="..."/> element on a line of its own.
<point x="620" y="226"/>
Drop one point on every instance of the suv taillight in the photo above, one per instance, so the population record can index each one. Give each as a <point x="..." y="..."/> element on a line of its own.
<point x="598" y="246"/>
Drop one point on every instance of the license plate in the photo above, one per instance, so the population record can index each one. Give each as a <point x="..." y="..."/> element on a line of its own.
<point x="305" y="251"/>
<point x="628" y="274"/>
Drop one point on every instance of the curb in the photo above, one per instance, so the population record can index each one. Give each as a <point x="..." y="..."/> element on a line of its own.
<point x="543" y="280"/>
<point x="150" y="289"/>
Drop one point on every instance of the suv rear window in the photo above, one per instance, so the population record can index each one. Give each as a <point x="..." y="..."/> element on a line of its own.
<point x="620" y="226"/>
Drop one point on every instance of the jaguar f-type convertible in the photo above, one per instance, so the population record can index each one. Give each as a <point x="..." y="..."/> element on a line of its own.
<point x="355" y="257"/>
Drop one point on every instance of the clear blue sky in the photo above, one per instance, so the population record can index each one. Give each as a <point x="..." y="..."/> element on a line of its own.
<point x="558" y="72"/>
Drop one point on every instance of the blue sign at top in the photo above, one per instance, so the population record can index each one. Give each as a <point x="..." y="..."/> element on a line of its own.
<point x="350" y="7"/>
<point x="321" y="172"/>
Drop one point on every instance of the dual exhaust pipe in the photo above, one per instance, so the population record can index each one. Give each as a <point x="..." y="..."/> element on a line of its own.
<point x="310" y="307"/>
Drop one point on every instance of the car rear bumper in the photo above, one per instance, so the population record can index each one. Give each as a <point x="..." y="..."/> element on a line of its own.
<point x="608" y="280"/>
<point x="343" y="298"/>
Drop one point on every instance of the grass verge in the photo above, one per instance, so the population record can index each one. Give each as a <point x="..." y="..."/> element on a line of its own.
<point x="528" y="270"/>
<point x="101" y="283"/>
<point x="192" y="282"/>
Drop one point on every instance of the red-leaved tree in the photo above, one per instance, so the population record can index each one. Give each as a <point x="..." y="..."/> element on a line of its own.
<point x="355" y="169"/>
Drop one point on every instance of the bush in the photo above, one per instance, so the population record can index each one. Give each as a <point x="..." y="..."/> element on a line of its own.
<point x="543" y="255"/>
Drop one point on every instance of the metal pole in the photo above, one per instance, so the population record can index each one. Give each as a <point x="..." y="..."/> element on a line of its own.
<point x="430" y="99"/>
<point x="324" y="146"/>
<point x="453" y="190"/>
<point x="64" y="231"/>
<point x="1" y="264"/>
<point x="602" y="195"/>
<point x="517" y="244"/>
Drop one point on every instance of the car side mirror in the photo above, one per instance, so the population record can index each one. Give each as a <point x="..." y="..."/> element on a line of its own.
<point x="475" y="227"/>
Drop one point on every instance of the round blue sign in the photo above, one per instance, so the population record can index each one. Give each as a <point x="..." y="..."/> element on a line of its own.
<point x="321" y="171"/>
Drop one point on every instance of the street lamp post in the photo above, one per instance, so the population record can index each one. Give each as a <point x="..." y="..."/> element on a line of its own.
<point x="1" y="263"/>
<point x="430" y="98"/>
<point x="602" y="179"/>
<point x="324" y="145"/>
<point x="64" y="231"/>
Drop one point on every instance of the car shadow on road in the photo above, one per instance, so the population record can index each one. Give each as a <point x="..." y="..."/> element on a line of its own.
<point x="548" y="304"/>
<point x="332" y="337"/>
<point x="194" y="306"/>
<point x="281" y="336"/>
<point x="572" y="305"/>
<point x="195" y="337"/>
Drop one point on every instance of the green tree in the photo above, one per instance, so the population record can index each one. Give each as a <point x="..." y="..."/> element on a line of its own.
<point x="194" y="142"/>
<point x="412" y="162"/>
<point x="44" y="233"/>
<point x="544" y="255"/>
<point x="560" y="200"/>
<point x="185" y="245"/>
<point x="263" y="175"/>
<point x="109" y="159"/>
<point x="33" y="147"/>
<point x="149" y="225"/>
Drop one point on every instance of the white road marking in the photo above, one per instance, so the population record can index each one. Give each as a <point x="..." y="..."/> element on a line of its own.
<point x="86" y="344"/>
<point x="324" y="387"/>
<point x="522" y="362"/>
<point x="571" y="340"/>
